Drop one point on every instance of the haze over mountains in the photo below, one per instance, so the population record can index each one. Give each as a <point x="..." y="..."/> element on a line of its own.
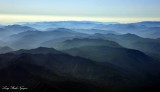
<point x="81" y="56"/>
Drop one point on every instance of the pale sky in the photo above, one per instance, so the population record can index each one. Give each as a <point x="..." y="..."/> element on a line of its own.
<point x="91" y="10"/>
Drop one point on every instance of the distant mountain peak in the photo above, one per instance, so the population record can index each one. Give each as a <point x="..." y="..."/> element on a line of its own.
<point x="16" y="27"/>
<point x="63" y="30"/>
<point x="131" y="35"/>
<point x="77" y="42"/>
<point x="39" y="50"/>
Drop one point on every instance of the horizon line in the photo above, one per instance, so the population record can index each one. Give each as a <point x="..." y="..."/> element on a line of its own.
<point x="18" y="23"/>
<point x="16" y="18"/>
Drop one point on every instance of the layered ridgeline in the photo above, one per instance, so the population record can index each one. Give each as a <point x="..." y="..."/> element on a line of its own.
<point x="110" y="52"/>
<point x="45" y="68"/>
<point x="77" y="42"/>
<point x="60" y="72"/>
<point x="147" y="45"/>
<point x="81" y="56"/>
<point x="145" y="29"/>
<point x="32" y="39"/>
